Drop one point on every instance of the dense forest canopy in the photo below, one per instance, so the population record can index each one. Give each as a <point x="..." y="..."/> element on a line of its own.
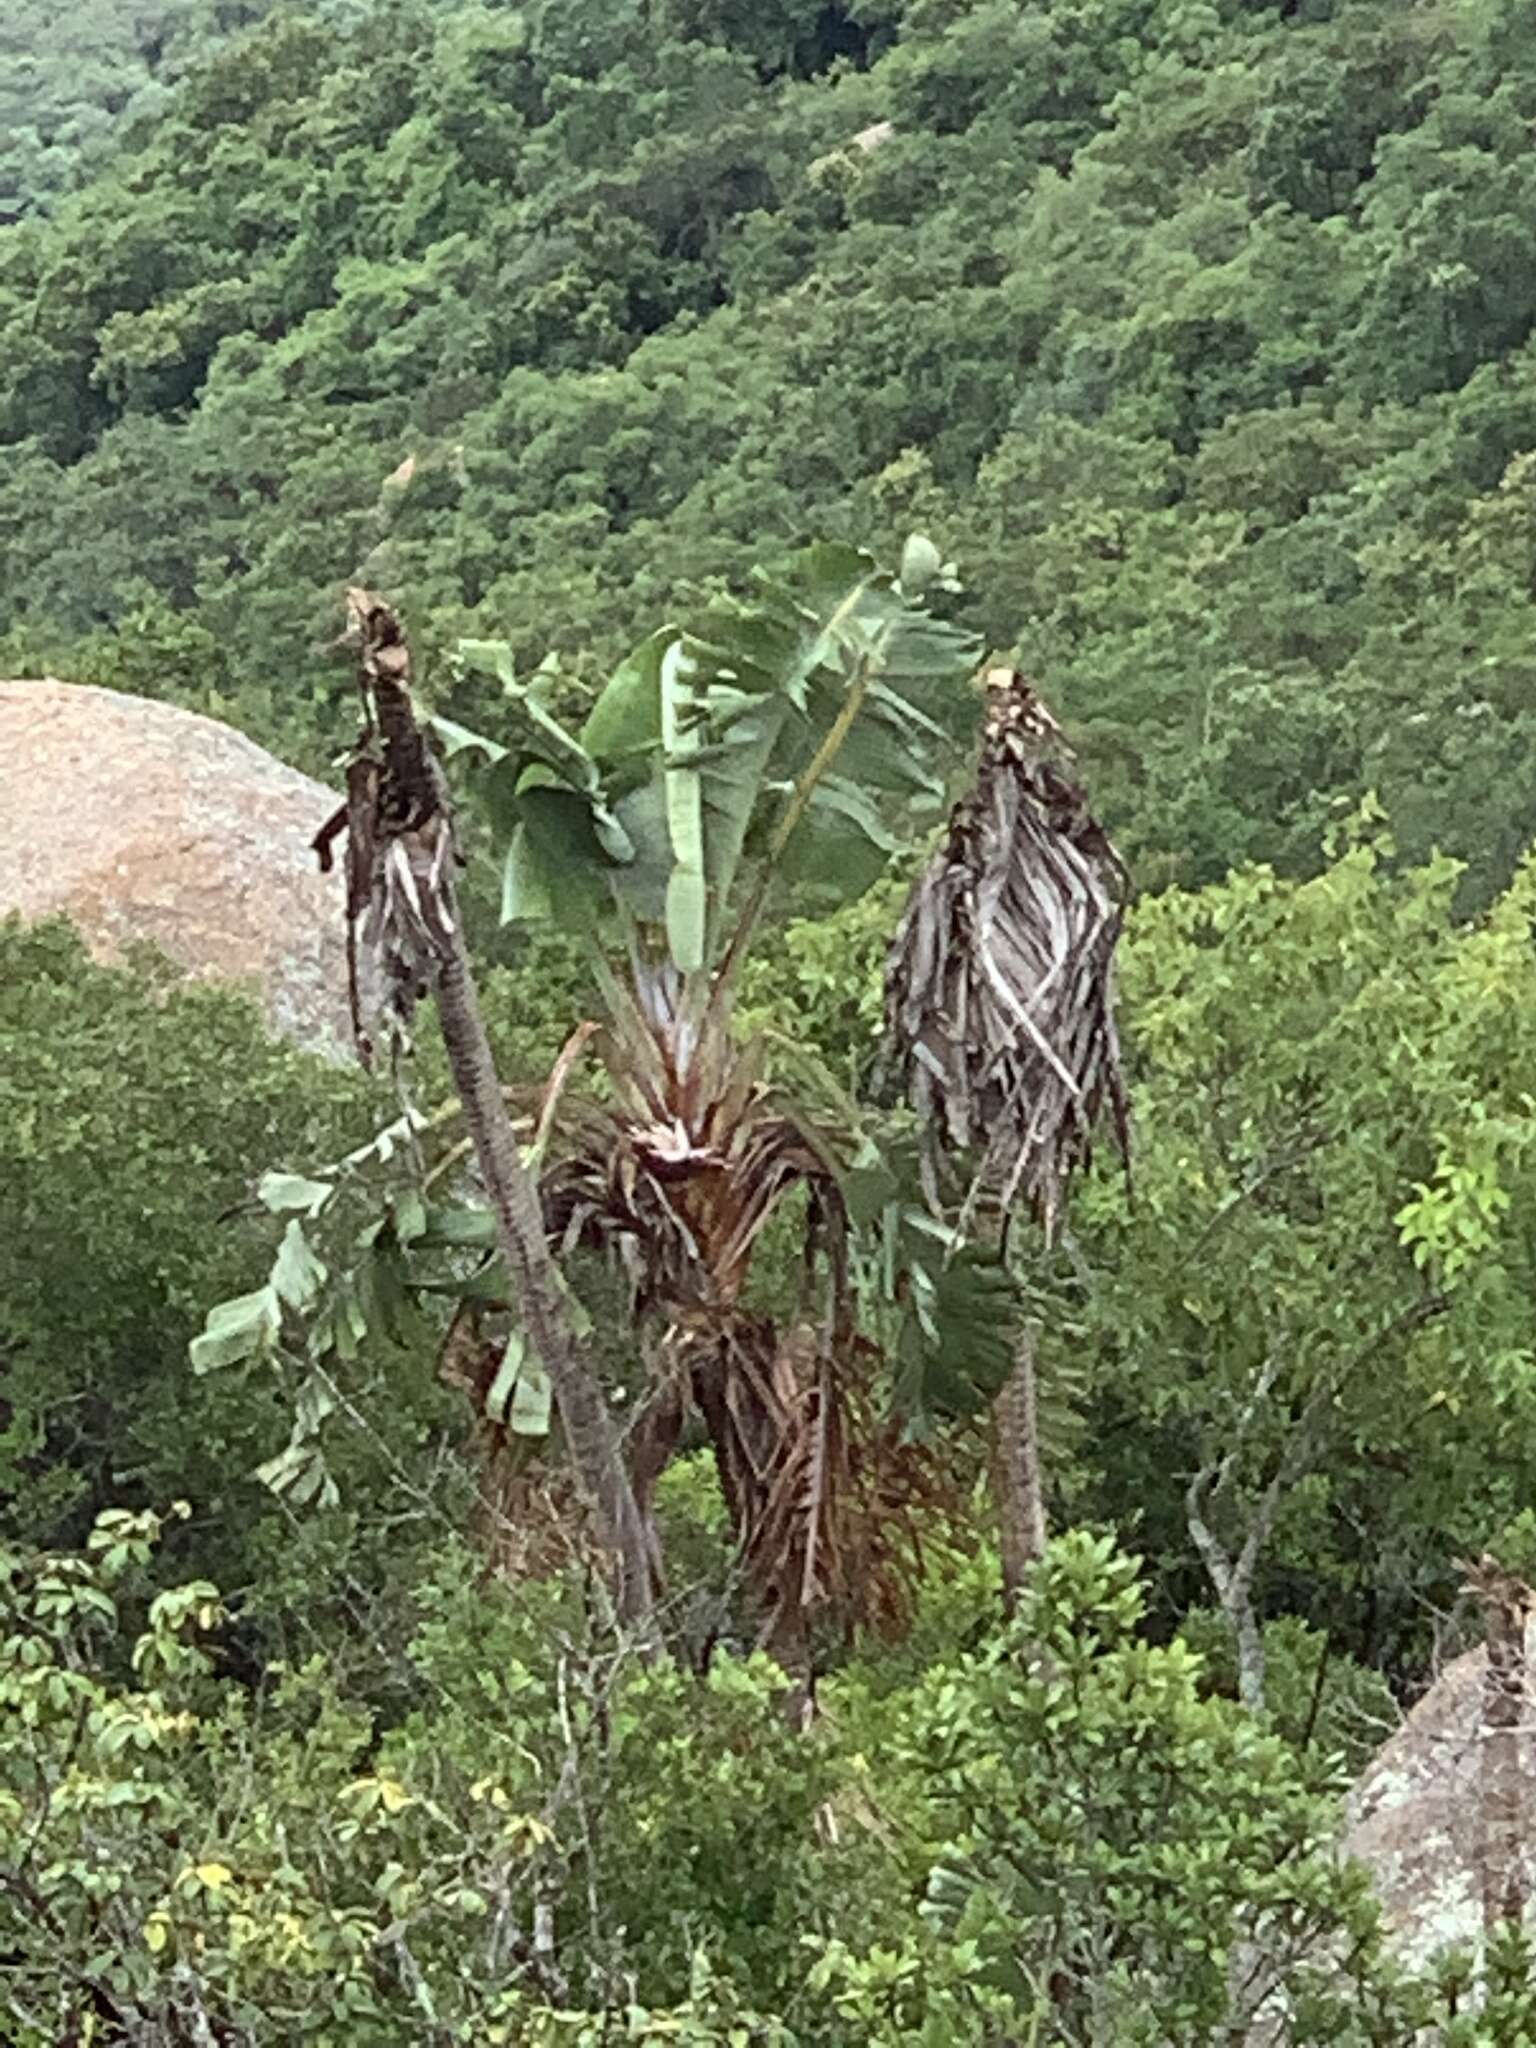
<point x="1180" y="355"/>
<point x="1197" y="334"/>
<point x="72" y="77"/>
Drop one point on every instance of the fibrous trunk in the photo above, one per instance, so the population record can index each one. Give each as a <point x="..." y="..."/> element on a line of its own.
<point x="400" y="874"/>
<point x="1018" y="1479"/>
<point x="591" y="1439"/>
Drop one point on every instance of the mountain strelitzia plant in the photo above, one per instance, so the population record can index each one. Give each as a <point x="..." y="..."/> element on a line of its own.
<point x="786" y="745"/>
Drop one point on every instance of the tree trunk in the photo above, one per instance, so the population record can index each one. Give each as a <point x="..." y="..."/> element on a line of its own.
<point x="400" y="892"/>
<point x="591" y="1438"/>
<point x="1018" y="1482"/>
<point x="1233" y="1577"/>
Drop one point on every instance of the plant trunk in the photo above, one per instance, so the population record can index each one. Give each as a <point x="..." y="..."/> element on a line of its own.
<point x="1232" y="1577"/>
<point x="1018" y="1481"/>
<point x="400" y="862"/>
<point x="591" y="1438"/>
<point x="1248" y="1641"/>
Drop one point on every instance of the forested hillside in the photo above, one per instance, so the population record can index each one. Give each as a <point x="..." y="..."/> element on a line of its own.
<point x="72" y="77"/>
<point x="542" y="1539"/>
<point x="1197" y="335"/>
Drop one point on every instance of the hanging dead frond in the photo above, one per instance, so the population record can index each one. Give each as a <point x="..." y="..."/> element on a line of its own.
<point x="827" y="1500"/>
<point x="400" y="841"/>
<point x="999" y="990"/>
<point x="674" y="1175"/>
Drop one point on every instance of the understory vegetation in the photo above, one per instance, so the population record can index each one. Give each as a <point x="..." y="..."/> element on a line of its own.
<point x="869" y="1459"/>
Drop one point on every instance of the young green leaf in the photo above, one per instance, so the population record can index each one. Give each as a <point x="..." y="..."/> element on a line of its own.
<point x="297" y="1275"/>
<point x="687" y="889"/>
<point x="281" y="1192"/>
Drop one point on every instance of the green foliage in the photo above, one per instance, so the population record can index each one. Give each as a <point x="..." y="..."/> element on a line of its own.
<point x="1324" y="1255"/>
<point x="131" y="1111"/>
<point x="1319" y="1698"/>
<point x="1200" y="335"/>
<point x="172" y="1846"/>
<point x="69" y="77"/>
<point x="691" y="761"/>
<point x="1105" y="1840"/>
<point x="1062" y="1832"/>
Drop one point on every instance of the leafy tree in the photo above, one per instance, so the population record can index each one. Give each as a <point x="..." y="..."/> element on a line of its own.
<point x="1211" y="246"/>
<point x="1325" y="1077"/>
<point x="132" y="1109"/>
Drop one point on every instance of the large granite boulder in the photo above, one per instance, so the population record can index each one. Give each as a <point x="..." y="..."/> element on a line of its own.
<point x="144" y="822"/>
<point x="1416" y="1816"/>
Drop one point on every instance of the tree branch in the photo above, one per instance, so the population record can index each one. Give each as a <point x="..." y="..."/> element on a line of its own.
<point x="1232" y="1577"/>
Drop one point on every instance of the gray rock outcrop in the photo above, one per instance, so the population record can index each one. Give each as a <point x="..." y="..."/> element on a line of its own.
<point x="1415" y="1818"/>
<point x="144" y="822"/>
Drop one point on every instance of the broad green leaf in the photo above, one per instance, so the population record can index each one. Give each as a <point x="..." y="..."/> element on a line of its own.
<point x="501" y="791"/>
<point x="383" y="1299"/>
<point x="519" y="1395"/>
<point x="240" y="1311"/>
<point x="624" y="726"/>
<point x="563" y="848"/>
<point x="735" y="779"/>
<point x="534" y="733"/>
<point x="837" y="794"/>
<point x="525" y="891"/>
<point x="892" y="749"/>
<point x="924" y="658"/>
<point x="687" y="917"/>
<point x="490" y="658"/>
<point x="548" y="741"/>
<point x="612" y="836"/>
<point x="820" y="598"/>
<point x="236" y="1330"/>
<point x="840" y="850"/>
<point x="530" y="1410"/>
<point x="409" y="1215"/>
<point x="541" y="737"/>
<point x="561" y="839"/>
<point x="641" y="885"/>
<point x="459" y="739"/>
<point x="458" y="1226"/>
<point x="499" y="1394"/>
<point x="957" y="1342"/>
